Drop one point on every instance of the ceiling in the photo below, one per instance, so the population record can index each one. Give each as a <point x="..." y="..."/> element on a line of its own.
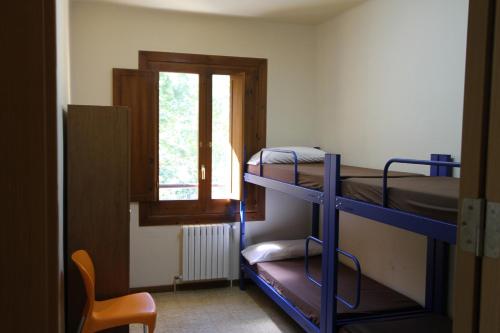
<point x="293" y="11"/>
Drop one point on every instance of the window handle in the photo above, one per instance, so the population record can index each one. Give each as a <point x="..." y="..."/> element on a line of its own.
<point x="202" y="172"/>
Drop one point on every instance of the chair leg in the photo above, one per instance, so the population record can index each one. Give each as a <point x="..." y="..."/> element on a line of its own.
<point x="80" y="326"/>
<point x="150" y="325"/>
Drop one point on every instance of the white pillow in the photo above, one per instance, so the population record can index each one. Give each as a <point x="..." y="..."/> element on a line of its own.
<point x="279" y="250"/>
<point x="304" y="155"/>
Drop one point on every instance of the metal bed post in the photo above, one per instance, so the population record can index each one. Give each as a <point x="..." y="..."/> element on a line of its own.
<point x="242" y="241"/>
<point x="329" y="264"/>
<point x="243" y="220"/>
<point x="315" y="220"/>
<point x="437" y="254"/>
<point x="315" y="217"/>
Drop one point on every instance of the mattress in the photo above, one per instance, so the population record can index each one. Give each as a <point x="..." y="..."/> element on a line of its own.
<point x="434" y="197"/>
<point x="311" y="174"/>
<point x="427" y="324"/>
<point x="288" y="278"/>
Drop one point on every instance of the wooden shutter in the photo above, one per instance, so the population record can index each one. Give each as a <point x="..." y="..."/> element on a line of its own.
<point x="138" y="90"/>
<point x="237" y="134"/>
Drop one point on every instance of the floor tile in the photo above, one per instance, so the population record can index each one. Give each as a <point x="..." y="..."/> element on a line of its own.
<point x="221" y="310"/>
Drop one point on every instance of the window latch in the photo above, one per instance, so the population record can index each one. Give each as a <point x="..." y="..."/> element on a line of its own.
<point x="202" y="172"/>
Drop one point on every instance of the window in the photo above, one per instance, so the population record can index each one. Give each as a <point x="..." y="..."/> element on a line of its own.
<point x="178" y="136"/>
<point x="221" y="138"/>
<point x="192" y="117"/>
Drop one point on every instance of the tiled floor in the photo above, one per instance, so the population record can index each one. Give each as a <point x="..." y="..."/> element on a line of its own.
<point x="222" y="310"/>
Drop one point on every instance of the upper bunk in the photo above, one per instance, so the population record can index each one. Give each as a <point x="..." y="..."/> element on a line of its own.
<point x="427" y="205"/>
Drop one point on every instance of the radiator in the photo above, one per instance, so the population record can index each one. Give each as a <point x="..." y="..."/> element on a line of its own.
<point x="205" y="252"/>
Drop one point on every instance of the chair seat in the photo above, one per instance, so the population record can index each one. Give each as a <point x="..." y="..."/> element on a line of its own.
<point x="137" y="308"/>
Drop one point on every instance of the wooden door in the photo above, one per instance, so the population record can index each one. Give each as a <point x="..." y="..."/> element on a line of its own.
<point x="489" y="318"/>
<point x="476" y="295"/>
<point x="30" y="274"/>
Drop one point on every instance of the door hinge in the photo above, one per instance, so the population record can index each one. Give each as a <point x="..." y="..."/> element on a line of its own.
<point x="480" y="228"/>
<point x="492" y="230"/>
<point x="472" y="226"/>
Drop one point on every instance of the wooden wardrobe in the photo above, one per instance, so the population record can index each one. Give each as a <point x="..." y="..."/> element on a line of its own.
<point x="98" y="205"/>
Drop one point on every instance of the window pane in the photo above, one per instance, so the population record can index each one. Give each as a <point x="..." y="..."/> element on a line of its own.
<point x="221" y="145"/>
<point x="178" y="136"/>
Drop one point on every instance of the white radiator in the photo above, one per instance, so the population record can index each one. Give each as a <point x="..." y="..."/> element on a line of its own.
<point x="205" y="252"/>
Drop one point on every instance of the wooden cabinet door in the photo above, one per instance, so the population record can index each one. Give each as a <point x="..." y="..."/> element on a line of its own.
<point x="474" y="150"/>
<point x="98" y="203"/>
<point x="489" y="318"/>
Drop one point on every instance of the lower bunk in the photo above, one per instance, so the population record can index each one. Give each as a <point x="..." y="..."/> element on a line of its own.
<point x="285" y="282"/>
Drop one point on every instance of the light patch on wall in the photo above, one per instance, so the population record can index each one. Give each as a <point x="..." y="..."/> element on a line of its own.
<point x="292" y="11"/>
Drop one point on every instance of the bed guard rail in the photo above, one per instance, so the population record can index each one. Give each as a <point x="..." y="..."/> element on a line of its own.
<point x="308" y="275"/>
<point x="410" y="161"/>
<point x="346" y="254"/>
<point x="285" y="151"/>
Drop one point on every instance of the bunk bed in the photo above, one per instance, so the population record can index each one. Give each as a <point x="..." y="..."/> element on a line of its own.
<point x="319" y="292"/>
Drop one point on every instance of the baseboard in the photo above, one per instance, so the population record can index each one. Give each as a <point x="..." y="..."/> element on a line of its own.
<point x="185" y="286"/>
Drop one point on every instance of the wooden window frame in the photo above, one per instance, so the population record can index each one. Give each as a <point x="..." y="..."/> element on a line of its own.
<point x="255" y="69"/>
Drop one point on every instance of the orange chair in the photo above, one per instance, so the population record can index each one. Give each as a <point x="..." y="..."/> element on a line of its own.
<point x="100" y="315"/>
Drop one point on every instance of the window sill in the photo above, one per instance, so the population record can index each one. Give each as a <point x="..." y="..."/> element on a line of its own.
<point x="146" y="219"/>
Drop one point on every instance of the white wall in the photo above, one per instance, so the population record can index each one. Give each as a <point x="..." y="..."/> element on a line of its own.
<point x="107" y="36"/>
<point x="392" y="69"/>
<point x="390" y="78"/>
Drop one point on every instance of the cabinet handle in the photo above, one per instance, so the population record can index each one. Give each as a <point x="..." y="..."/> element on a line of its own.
<point x="202" y="172"/>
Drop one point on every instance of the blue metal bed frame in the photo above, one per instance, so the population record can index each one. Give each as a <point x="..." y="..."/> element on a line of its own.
<point x="439" y="234"/>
